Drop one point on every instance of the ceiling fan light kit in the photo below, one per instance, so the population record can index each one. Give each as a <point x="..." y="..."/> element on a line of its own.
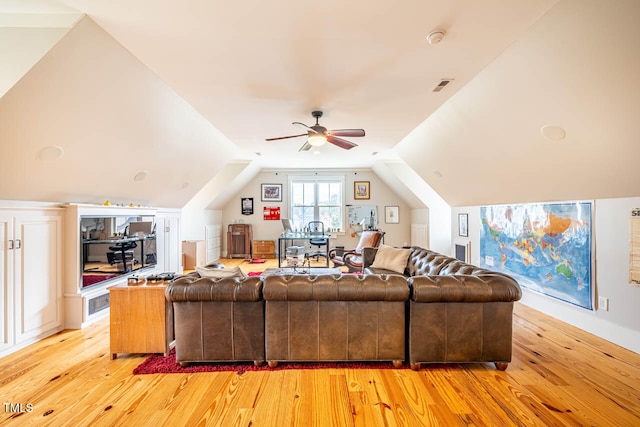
<point x="317" y="140"/>
<point x="318" y="135"/>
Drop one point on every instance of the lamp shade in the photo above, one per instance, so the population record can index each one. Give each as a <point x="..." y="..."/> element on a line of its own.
<point x="317" y="140"/>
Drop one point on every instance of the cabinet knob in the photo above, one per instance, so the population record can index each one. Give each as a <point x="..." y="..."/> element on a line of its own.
<point x="18" y="244"/>
<point x="10" y="244"/>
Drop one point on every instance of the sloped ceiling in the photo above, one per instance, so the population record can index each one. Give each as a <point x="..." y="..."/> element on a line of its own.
<point x="577" y="68"/>
<point x="114" y="120"/>
<point x="180" y="89"/>
<point x="252" y="68"/>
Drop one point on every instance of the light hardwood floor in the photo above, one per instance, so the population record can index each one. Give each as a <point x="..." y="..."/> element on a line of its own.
<point x="559" y="375"/>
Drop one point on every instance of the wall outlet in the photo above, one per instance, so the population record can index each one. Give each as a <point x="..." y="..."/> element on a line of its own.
<point x="603" y="303"/>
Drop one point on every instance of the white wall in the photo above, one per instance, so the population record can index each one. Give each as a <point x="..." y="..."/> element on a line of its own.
<point x="439" y="212"/>
<point x="194" y="214"/>
<point x="621" y="324"/>
<point x="381" y="196"/>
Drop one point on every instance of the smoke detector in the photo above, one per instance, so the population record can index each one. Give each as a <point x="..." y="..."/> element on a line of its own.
<point x="436" y="36"/>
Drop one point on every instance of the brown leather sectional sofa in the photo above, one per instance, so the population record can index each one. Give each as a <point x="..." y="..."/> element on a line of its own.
<point x="457" y="312"/>
<point x="440" y="310"/>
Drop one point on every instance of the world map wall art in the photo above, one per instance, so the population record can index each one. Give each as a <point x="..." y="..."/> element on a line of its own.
<point x="546" y="247"/>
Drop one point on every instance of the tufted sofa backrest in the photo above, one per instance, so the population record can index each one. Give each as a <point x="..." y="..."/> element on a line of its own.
<point x="423" y="262"/>
<point x="459" y="267"/>
<point x="192" y="287"/>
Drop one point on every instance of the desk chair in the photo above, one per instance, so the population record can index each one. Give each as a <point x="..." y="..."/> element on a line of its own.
<point x="316" y="228"/>
<point x="125" y="249"/>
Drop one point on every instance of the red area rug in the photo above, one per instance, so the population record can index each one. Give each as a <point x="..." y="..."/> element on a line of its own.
<point x="159" y="364"/>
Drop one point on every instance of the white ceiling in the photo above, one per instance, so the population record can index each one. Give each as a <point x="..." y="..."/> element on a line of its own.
<point x="251" y="68"/>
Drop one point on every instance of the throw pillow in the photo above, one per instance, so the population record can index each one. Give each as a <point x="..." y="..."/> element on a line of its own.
<point x="390" y="258"/>
<point x="221" y="273"/>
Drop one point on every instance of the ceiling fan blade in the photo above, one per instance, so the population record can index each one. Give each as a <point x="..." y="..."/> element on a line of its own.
<point x="342" y="143"/>
<point x="346" y="132"/>
<point x="286" y="137"/>
<point x="302" y="125"/>
<point x="306" y="147"/>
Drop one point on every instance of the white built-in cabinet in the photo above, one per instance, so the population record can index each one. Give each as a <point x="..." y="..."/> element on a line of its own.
<point x="84" y="306"/>
<point x="30" y="275"/>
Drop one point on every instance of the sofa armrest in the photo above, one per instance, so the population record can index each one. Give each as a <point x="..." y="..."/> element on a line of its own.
<point x="348" y="287"/>
<point x="489" y="287"/>
<point x="192" y="288"/>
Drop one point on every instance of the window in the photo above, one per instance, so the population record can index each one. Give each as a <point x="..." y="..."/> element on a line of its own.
<point x="317" y="199"/>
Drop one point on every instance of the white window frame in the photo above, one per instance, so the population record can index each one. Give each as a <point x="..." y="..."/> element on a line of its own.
<point x="319" y="179"/>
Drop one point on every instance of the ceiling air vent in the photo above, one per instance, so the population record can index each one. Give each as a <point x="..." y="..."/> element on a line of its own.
<point x="442" y="85"/>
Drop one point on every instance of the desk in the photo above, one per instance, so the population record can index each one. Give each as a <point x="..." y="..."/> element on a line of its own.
<point x="291" y="238"/>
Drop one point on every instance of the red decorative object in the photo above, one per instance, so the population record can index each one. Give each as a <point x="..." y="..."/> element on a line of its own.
<point x="271" y="213"/>
<point x="93" y="279"/>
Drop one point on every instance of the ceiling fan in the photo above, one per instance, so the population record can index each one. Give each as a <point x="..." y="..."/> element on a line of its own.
<point x="318" y="135"/>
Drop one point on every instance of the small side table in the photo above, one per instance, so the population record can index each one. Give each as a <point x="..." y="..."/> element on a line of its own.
<point x="141" y="319"/>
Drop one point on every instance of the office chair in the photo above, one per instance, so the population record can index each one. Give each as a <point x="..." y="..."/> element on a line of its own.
<point x="316" y="228"/>
<point x="125" y="250"/>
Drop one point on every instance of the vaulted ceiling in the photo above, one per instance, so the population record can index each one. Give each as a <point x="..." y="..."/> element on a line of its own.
<point x="150" y="101"/>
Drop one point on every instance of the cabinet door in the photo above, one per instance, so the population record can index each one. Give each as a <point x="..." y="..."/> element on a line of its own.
<point x="6" y="283"/>
<point x="37" y="276"/>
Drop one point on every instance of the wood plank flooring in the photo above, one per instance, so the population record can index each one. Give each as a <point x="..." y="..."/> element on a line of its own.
<point x="559" y="376"/>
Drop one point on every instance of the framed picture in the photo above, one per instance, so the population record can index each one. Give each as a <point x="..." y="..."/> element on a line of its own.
<point x="391" y="214"/>
<point x="463" y="225"/>
<point x="361" y="190"/>
<point x="271" y="213"/>
<point x="271" y="192"/>
<point x="247" y="206"/>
